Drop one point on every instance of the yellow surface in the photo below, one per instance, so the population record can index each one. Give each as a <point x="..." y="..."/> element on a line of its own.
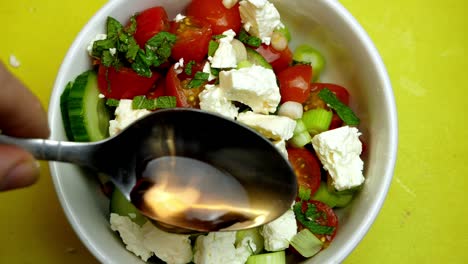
<point x="424" y="46"/>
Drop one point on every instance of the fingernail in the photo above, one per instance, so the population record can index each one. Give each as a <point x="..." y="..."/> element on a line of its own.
<point x="22" y="175"/>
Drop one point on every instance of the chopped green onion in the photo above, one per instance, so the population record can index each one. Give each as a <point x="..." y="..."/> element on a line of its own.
<point x="300" y="140"/>
<point x="254" y="235"/>
<point x="284" y="31"/>
<point x="278" y="257"/>
<point x="317" y="120"/>
<point x="331" y="198"/>
<point x="305" y="54"/>
<point x="343" y="111"/>
<point x="244" y="64"/>
<point x="306" y="243"/>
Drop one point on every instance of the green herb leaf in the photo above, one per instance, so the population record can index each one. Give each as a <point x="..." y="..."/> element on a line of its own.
<point x="198" y="80"/>
<point x="133" y="25"/>
<point x="308" y="219"/>
<point x="112" y="102"/>
<point x="216" y="37"/>
<point x="141" y="102"/>
<point x="113" y="27"/>
<point x="304" y="193"/>
<point x="247" y="39"/>
<point x="188" y="67"/>
<point x="343" y="111"/>
<point x="212" y="47"/>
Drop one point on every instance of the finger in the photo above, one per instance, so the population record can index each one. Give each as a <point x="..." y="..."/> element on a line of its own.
<point x="21" y="113"/>
<point x="17" y="168"/>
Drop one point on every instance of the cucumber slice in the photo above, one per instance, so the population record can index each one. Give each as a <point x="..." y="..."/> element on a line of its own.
<point x="121" y="206"/>
<point x="64" y="111"/>
<point x="278" y="257"/>
<point x="256" y="58"/>
<point x="88" y="114"/>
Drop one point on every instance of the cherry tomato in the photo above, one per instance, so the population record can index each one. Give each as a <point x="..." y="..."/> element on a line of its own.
<point x="185" y="97"/>
<point x="306" y="167"/>
<point x="159" y="89"/>
<point x="294" y="83"/>
<point x="327" y="217"/>
<point x="149" y="23"/>
<point x="214" y="12"/>
<point x="193" y="37"/>
<point x="123" y="83"/>
<point x="279" y="60"/>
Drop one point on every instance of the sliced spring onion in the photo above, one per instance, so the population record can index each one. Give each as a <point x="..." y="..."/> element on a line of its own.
<point x="278" y="257"/>
<point x="317" y="120"/>
<point x="244" y="64"/>
<point x="300" y="140"/>
<point x="254" y="235"/>
<point x="305" y="54"/>
<point x="306" y="243"/>
<point x="331" y="198"/>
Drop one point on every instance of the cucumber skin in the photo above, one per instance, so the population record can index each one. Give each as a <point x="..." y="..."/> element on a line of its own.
<point x="256" y="58"/>
<point x="64" y="111"/>
<point x="86" y="111"/>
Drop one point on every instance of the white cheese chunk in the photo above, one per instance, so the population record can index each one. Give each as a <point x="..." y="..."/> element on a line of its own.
<point x="339" y="151"/>
<point x="271" y="126"/>
<point x="212" y="99"/>
<point x="229" y="3"/>
<point x="124" y="116"/>
<point x="207" y="69"/>
<point x="219" y="247"/>
<point x="225" y="54"/>
<point x="281" y="146"/>
<point x="260" y="18"/>
<point x="169" y="247"/>
<point x="179" y="17"/>
<point x="278" y="233"/>
<point x="131" y="235"/>
<point x="254" y="86"/>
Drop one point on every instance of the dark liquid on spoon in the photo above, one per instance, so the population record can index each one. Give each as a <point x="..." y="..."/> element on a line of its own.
<point x="186" y="192"/>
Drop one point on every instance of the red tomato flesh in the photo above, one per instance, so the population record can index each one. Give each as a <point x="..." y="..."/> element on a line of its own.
<point x="306" y="167"/>
<point x="193" y="37"/>
<point x="294" y="83"/>
<point x="149" y="23"/>
<point x="123" y="83"/>
<point x="219" y="17"/>
<point x="279" y="60"/>
<point x="185" y="97"/>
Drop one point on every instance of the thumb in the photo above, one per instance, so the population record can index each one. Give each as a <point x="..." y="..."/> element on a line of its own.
<point x="18" y="168"/>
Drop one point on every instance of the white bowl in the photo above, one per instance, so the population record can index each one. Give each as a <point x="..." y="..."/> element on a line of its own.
<point x="352" y="61"/>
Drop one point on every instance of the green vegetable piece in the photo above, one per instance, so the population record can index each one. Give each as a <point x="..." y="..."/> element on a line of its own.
<point x="343" y="111"/>
<point x="141" y="102"/>
<point x="278" y="257"/>
<point x="256" y="58"/>
<point x="285" y="32"/>
<point x="198" y="80"/>
<point x="252" y="234"/>
<point x="306" y="243"/>
<point x="317" y="120"/>
<point x="305" y="54"/>
<point x="188" y="67"/>
<point x="332" y="198"/>
<point x="64" y="110"/>
<point x="112" y="102"/>
<point x="249" y="40"/>
<point x="244" y="64"/>
<point x="301" y="136"/>
<point x="308" y="219"/>
<point x="121" y="206"/>
<point x="212" y="47"/>
<point x="304" y="193"/>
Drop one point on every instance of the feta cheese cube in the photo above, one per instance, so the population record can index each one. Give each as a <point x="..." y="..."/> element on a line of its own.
<point x="219" y="247"/>
<point x="278" y="233"/>
<point x="225" y="54"/>
<point x="124" y="116"/>
<point x="179" y="17"/>
<point x="271" y="126"/>
<point x="207" y="69"/>
<point x="169" y="247"/>
<point x="131" y="235"/>
<point x="212" y="99"/>
<point x="254" y="86"/>
<point x="260" y="18"/>
<point x="339" y="151"/>
<point x="281" y="146"/>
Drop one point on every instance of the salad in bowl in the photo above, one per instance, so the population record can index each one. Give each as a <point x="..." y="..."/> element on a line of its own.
<point x="238" y="59"/>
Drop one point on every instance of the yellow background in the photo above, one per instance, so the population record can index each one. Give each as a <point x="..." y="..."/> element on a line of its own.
<point x="424" y="46"/>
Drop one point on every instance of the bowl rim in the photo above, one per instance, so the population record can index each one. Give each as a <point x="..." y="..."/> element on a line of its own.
<point x="389" y="166"/>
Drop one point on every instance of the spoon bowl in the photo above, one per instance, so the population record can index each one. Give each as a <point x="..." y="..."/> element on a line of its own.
<point x="186" y="169"/>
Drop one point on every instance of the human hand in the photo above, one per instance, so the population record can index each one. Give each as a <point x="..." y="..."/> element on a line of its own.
<point x="21" y="115"/>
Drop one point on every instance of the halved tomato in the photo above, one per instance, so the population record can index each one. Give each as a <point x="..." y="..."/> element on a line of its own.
<point x="306" y="167"/>
<point x="123" y="83"/>
<point x="215" y="13"/>
<point x="294" y="83"/>
<point x="185" y="96"/>
<point x="193" y="38"/>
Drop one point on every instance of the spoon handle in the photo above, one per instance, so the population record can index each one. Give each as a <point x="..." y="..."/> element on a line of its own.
<point x="45" y="149"/>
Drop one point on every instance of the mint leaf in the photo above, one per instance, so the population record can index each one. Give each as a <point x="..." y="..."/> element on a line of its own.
<point x="212" y="47"/>
<point x="304" y="193"/>
<point x="198" y="80"/>
<point x="342" y="110"/>
<point x="141" y="102"/>
<point x="188" y="67"/>
<point x="112" y="102"/>
<point x="247" y="39"/>
<point x="308" y="219"/>
<point x="113" y="27"/>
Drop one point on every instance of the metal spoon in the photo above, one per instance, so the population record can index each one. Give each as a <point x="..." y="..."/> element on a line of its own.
<point x="187" y="170"/>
